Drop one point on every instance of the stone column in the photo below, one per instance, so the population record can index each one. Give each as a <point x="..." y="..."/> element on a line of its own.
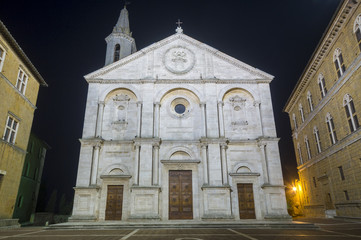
<point x="262" y="146"/>
<point x="98" y="130"/>
<point x="258" y="106"/>
<point x="204" y="120"/>
<point x="220" y="119"/>
<point x="156" y="119"/>
<point x="95" y="162"/>
<point x="205" y="163"/>
<point x="155" y="163"/>
<point x="136" y="164"/>
<point x="224" y="163"/>
<point x="139" y="120"/>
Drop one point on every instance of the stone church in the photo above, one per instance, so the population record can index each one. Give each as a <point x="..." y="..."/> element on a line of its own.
<point x="177" y="130"/>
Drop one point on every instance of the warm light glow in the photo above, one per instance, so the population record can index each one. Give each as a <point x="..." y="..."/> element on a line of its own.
<point x="294" y="189"/>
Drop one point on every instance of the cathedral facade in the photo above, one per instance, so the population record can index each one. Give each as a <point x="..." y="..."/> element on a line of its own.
<point x="177" y="130"/>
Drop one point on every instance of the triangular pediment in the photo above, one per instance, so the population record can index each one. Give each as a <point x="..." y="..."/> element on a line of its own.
<point x="178" y="57"/>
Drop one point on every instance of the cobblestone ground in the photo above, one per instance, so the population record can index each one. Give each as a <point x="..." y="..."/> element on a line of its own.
<point x="330" y="229"/>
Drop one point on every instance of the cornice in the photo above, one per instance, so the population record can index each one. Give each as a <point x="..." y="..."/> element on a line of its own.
<point x="17" y="49"/>
<point x="185" y="38"/>
<point x="326" y="43"/>
<point x="17" y="91"/>
<point x="186" y="81"/>
<point x="350" y="139"/>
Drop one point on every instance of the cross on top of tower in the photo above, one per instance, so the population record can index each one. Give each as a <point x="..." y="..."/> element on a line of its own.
<point x="179" y="28"/>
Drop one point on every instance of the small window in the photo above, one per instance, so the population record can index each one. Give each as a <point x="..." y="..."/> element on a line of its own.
<point x="357" y="30"/>
<point x="2" y="57"/>
<point x="179" y="108"/>
<point x="331" y="128"/>
<point x="308" y="148"/>
<point x="314" y="181"/>
<point x="11" y="129"/>
<point x="346" y="195"/>
<point x="300" y="108"/>
<point x="294" y="121"/>
<point x="339" y="63"/>
<point x="350" y="113"/>
<point x="22" y="81"/>
<point x="341" y="173"/>
<point x="309" y="100"/>
<point x="116" y="52"/>
<point x="322" y="85"/>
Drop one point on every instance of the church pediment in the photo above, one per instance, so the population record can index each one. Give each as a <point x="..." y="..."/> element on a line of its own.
<point x="178" y="57"/>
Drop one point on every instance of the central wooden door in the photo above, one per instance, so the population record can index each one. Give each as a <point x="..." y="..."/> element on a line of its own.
<point x="180" y="195"/>
<point x="246" y="201"/>
<point x="114" y="206"/>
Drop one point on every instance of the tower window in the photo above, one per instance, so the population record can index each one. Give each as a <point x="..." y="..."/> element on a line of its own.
<point x="22" y="81"/>
<point x="309" y="99"/>
<point x="300" y="108"/>
<point x="308" y="148"/>
<point x="11" y="129"/>
<point x="350" y="113"/>
<point x="116" y="52"/>
<point x="294" y="121"/>
<point x="317" y="138"/>
<point x="2" y="57"/>
<point x="339" y="64"/>
<point x="357" y="30"/>
<point x="299" y="153"/>
<point x="322" y="85"/>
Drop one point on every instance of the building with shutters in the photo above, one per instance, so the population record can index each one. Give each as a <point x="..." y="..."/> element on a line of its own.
<point x="324" y="110"/>
<point x="19" y="86"/>
<point x="177" y="130"/>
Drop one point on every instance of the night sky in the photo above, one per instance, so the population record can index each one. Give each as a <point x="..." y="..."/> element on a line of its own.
<point x="64" y="39"/>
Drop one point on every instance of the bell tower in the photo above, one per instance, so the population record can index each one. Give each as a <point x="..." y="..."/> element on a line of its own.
<point x="120" y="43"/>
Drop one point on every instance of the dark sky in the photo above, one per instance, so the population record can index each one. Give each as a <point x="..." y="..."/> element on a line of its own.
<point x="65" y="40"/>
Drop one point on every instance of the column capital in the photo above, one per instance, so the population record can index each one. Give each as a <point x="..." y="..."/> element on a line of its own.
<point x="261" y="144"/>
<point x="155" y="145"/>
<point x="98" y="143"/>
<point x="220" y="103"/>
<point x="157" y="104"/>
<point x="101" y="103"/>
<point x="139" y="103"/>
<point x="256" y="103"/>
<point x="202" y="104"/>
<point x="224" y="145"/>
<point x="204" y="145"/>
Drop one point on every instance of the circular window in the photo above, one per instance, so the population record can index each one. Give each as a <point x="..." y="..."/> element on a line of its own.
<point x="179" y="108"/>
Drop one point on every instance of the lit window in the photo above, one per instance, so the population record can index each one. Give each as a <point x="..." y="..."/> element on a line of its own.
<point x="10" y="130"/>
<point x="309" y="100"/>
<point x="22" y="81"/>
<point x="308" y="148"/>
<point x="331" y="128"/>
<point x="116" y="52"/>
<point x="350" y="113"/>
<point x="2" y="57"/>
<point x="301" y="112"/>
<point x="317" y="138"/>
<point x="339" y="64"/>
<point x="299" y="153"/>
<point x="357" y="30"/>
<point x="322" y="85"/>
<point x="294" y="121"/>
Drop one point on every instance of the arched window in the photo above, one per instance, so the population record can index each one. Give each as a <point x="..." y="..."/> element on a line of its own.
<point x="339" y="64"/>
<point x="294" y="121"/>
<point x="322" y="85"/>
<point x="357" y="30"/>
<point x="350" y="113"/>
<point x="299" y="153"/>
<point x="116" y="52"/>
<point x="309" y="100"/>
<point x="301" y="112"/>
<point x="308" y="148"/>
<point x="317" y="138"/>
<point x="331" y="128"/>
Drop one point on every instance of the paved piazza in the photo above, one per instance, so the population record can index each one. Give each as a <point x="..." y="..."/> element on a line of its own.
<point x="329" y="229"/>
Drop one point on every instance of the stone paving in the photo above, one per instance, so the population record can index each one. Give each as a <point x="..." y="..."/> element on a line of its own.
<point x="330" y="229"/>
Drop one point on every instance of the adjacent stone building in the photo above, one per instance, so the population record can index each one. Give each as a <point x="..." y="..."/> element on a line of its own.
<point x="19" y="86"/>
<point x="324" y="109"/>
<point x="177" y="130"/>
<point x="30" y="180"/>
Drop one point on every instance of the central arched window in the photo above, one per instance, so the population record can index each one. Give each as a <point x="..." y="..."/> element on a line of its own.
<point x="116" y="52"/>
<point x="322" y="85"/>
<point x="357" y="30"/>
<point x="339" y="64"/>
<point x="350" y="113"/>
<point x="331" y="128"/>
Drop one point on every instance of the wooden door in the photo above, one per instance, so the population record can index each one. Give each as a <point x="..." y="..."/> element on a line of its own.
<point x="114" y="206"/>
<point x="180" y="195"/>
<point x="246" y="201"/>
